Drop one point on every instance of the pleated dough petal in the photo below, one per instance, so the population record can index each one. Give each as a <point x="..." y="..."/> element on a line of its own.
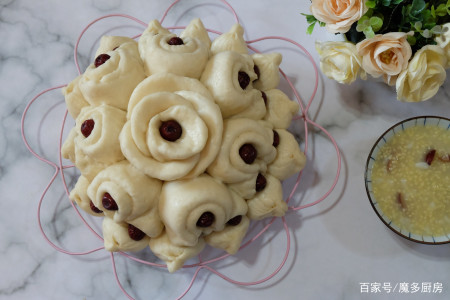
<point x="197" y="30"/>
<point x="268" y="66"/>
<point x="165" y="83"/>
<point x="80" y="196"/>
<point x="155" y="28"/>
<point x="230" y="238"/>
<point x="269" y="202"/>
<point x="246" y="188"/>
<point x="256" y="111"/>
<point x="74" y="98"/>
<point x="182" y="202"/>
<point x="110" y="43"/>
<point x="232" y="40"/>
<point x="68" y="147"/>
<point x="116" y="237"/>
<point x="188" y="59"/>
<point x="221" y="78"/>
<point x="228" y="165"/>
<point x="290" y="159"/>
<point x="100" y="149"/>
<point x="102" y="143"/>
<point x="134" y="193"/>
<point x="113" y="82"/>
<point x="173" y="255"/>
<point x="280" y="109"/>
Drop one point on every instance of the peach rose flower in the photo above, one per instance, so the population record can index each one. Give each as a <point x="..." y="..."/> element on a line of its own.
<point x="385" y="55"/>
<point x="424" y="75"/>
<point x="339" y="15"/>
<point x="339" y="61"/>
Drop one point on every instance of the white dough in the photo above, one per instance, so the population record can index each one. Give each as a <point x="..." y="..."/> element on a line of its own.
<point x="113" y="82"/>
<point x="188" y="59"/>
<point x="269" y="202"/>
<point x="233" y="40"/>
<point x="174" y="255"/>
<point x="228" y="165"/>
<point x="290" y="159"/>
<point x="280" y="109"/>
<point x="269" y="74"/>
<point x="221" y="78"/>
<point x="183" y="202"/>
<point x="80" y="196"/>
<point x="74" y="98"/>
<point x="186" y="190"/>
<point x="116" y="237"/>
<point x="135" y="193"/>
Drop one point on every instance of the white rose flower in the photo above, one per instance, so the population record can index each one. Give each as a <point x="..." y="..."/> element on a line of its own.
<point x="340" y="61"/>
<point x="424" y="75"/>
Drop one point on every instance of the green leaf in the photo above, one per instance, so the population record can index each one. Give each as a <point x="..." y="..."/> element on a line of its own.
<point x="417" y="6"/>
<point x="441" y="10"/>
<point x="426" y="34"/>
<point x="418" y="25"/>
<point x="376" y="23"/>
<point x="310" y="28"/>
<point x="411" y="40"/>
<point x="386" y="2"/>
<point x="437" y="29"/>
<point x="397" y="1"/>
<point x="309" y="18"/>
<point x="368" y="32"/>
<point x="371" y="4"/>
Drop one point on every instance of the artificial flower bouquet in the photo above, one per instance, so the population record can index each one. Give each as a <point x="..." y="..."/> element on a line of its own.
<point x="406" y="42"/>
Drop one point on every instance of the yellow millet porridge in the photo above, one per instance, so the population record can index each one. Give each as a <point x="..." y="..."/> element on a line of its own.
<point x="411" y="180"/>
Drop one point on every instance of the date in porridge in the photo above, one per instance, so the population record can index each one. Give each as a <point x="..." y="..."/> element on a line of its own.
<point x="411" y="180"/>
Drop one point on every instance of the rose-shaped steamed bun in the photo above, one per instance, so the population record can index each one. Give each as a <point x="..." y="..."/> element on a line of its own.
<point x="267" y="69"/>
<point x="290" y="159"/>
<point x="173" y="255"/>
<point x="113" y="76"/>
<point x="92" y="143"/>
<point x="125" y="194"/>
<point x="229" y="75"/>
<point x="194" y="207"/>
<point x="230" y="238"/>
<point x="247" y="149"/>
<point x="268" y="202"/>
<point x="280" y="109"/>
<point x="174" y="134"/>
<point x="116" y="236"/>
<point x="166" y="53"/>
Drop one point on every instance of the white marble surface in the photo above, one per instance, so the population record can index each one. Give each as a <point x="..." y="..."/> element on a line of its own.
<point x="336" y="245"/>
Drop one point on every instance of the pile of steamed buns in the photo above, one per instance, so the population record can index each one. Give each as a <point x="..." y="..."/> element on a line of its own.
<point x="180" y="141"/>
